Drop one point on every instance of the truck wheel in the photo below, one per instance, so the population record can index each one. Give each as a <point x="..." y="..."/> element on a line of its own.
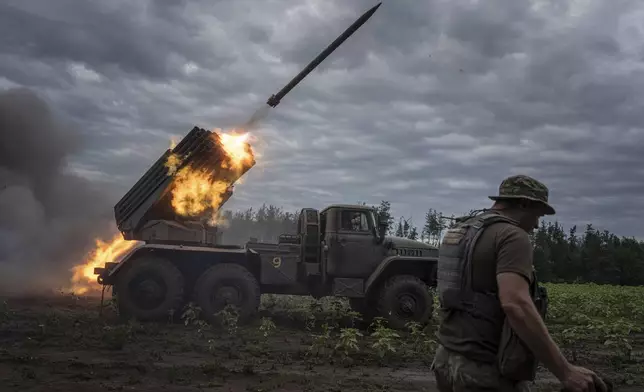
<point x="405" y="298"/>
<point x="227" y="284"/>
<point x="149" y="289"/>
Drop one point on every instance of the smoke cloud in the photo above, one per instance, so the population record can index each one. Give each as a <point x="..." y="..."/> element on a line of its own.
<point x="49" y="217"/>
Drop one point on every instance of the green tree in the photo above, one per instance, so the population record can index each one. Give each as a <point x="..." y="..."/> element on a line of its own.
<point x="435" y="223"/>
<point x="384" y="212"/>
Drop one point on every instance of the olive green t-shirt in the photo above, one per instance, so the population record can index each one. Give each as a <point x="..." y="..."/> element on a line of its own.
<point x="502" y="247"/>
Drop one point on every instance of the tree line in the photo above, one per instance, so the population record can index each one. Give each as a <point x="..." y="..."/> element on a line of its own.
<point x="570" y="256"/>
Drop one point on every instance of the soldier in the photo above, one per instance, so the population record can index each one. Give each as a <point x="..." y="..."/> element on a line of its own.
<point x="356" y="221"/>
<point x="351" y="221"/>
<point x="492" y="330"/>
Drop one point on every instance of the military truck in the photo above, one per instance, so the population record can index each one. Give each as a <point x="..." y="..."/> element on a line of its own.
<point x="341" y="251"/>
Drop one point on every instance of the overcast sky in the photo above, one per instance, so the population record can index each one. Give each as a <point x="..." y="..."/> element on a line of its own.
<point x="429" y="104"/>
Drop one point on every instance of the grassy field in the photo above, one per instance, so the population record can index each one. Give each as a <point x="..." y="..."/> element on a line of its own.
<point x="62" y="343"/>
<point x="602" y="326"/>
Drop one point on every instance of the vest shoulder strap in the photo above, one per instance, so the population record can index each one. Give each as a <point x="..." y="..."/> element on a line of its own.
<point x="488" y="218"/>
<point x="476" y="226"/>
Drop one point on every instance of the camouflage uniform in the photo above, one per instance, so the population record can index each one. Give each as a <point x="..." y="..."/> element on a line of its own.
<point x="515" y="366"/>
<point x="455" y="373"/>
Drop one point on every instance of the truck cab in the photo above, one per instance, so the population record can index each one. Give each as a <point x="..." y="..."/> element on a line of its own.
<point x="353" y="243"/>
<point x="356" y="242"/>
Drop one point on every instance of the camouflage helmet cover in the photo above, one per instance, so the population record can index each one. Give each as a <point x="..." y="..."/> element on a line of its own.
<point x="524" y="187"/>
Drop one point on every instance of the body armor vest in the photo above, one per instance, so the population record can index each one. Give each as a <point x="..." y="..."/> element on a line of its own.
<point x="454" y="272"/>
<point x="455" y="292"/>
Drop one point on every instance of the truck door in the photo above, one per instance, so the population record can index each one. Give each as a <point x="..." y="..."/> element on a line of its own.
<point x="355" y="242"/>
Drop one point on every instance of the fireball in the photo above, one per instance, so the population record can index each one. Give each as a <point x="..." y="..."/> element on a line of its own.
<point x="195" y="194"/>
<point x="236" y="148"/>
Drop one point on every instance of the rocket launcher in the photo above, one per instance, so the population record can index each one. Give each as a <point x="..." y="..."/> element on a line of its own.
<point x="150" y="198"/>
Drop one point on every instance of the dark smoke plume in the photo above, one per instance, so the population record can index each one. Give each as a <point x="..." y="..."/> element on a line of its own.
<point x="49" y="217"/>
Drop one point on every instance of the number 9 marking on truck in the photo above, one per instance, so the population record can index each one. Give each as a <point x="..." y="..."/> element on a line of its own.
<point x="277" y="261"/>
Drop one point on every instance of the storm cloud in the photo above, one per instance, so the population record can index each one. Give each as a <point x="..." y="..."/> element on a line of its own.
<point x="430" y="104"/>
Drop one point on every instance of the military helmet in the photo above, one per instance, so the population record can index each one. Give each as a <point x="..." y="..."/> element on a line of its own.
<point x="524" y="187"/>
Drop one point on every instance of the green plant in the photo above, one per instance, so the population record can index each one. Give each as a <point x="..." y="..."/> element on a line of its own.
<point x="310" y="322"/>
<point x="570" y="337"/>
<point x="202" y="327"/>
<point x="617" y="335"/>
<point x="190" y="314"/>
<point x="386" y="339"/>
<point x="267" y="326"/>
<point x="229" y="317"/>
<point x="348" y="342"/>
<point x="336" y="313"/>
<point x="321" y="342"/>
<point x="354" y="316"/>
<point x="420" y="342"/>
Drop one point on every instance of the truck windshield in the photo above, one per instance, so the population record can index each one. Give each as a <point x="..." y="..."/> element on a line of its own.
<point x="355" y="220"/>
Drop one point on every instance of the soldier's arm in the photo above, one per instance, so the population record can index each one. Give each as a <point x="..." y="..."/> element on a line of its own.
<point x="514" y="269"/>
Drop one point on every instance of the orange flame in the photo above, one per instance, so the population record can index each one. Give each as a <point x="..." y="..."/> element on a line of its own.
<point x="235" y="147"/>
<point x="84" y="281"/>
<point x="194" y="192"/>
<point x="173" y="163"/>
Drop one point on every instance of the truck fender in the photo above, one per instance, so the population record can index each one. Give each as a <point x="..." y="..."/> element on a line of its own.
<point x="127" y="257"/>
<point x="109" y="270"/>
<point x="393" y="262"/>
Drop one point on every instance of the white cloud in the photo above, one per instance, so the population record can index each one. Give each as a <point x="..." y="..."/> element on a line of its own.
<point x="82" y="73"/>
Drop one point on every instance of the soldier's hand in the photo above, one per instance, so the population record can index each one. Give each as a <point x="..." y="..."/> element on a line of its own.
<point x="579" y="379"/>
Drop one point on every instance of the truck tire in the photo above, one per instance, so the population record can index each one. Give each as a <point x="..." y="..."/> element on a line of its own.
<point x="149" y="289"/>
<point x="405" y="298"/>
<point x="225" y="284"/>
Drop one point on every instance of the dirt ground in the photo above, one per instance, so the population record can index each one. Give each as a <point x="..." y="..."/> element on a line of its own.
<point x="61" y="343"/>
